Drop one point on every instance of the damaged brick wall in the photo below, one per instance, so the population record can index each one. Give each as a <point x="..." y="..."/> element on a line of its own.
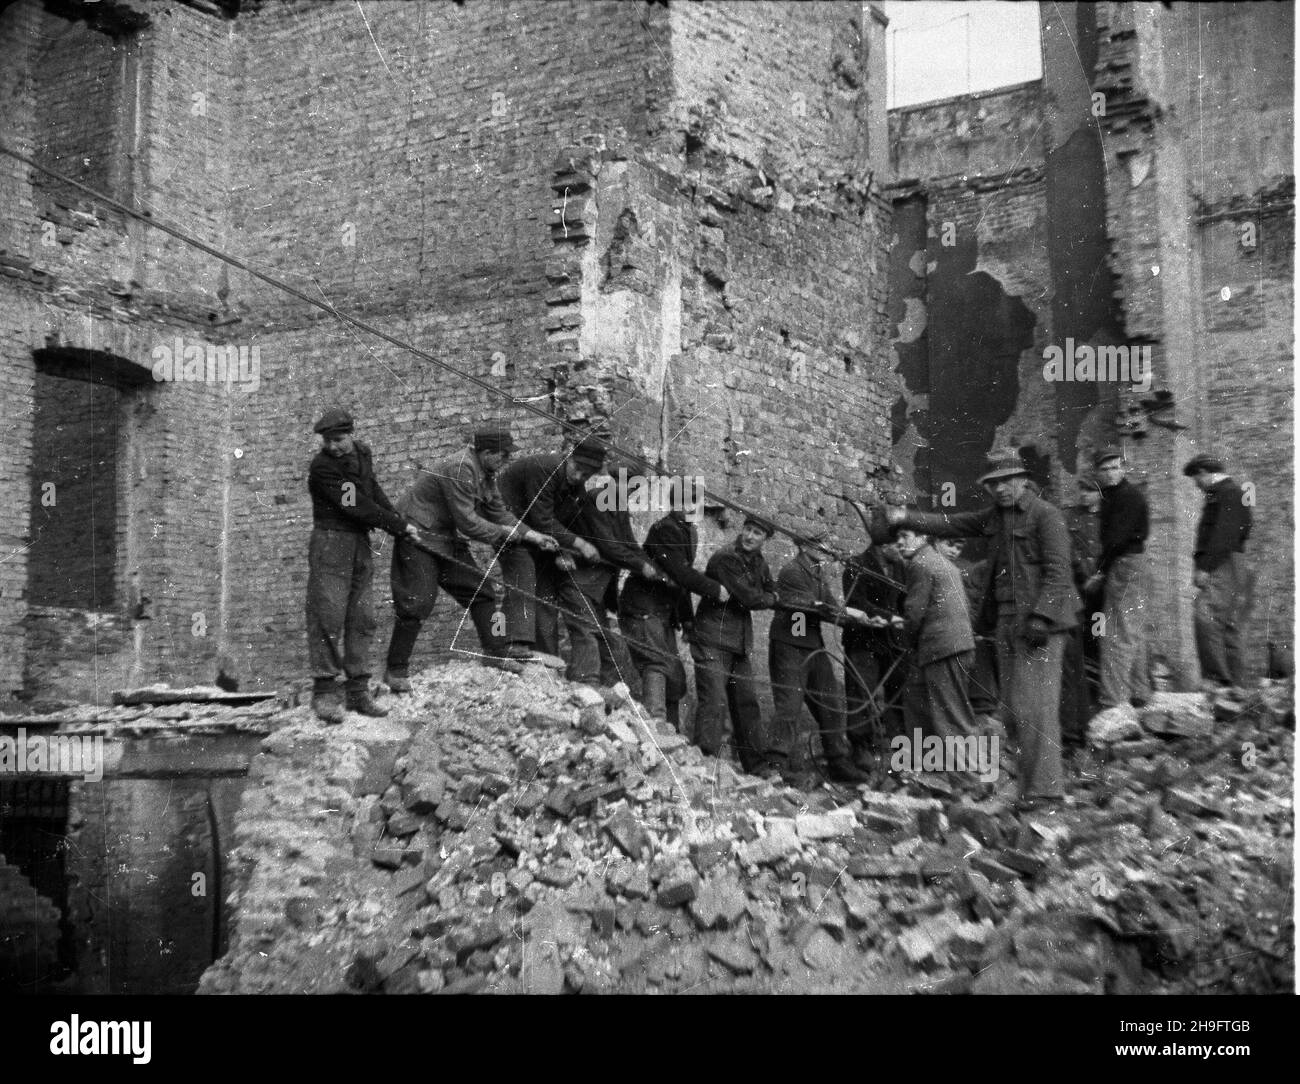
<point x="970" y="288"/>
<point x="1198" y="141"/>
<point x="82" y="278"/>
<point x="1058" y="212"/>
<point x="713" y="291"/>
<point x="723" y="289"/>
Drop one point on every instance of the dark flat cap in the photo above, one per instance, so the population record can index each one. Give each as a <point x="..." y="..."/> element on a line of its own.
<point x="759" y="522"/>
<point x="334" y="420"/>
<point x="1105" y="454"/>
<point x="1211" y="464"/>
<point x="493" y="440"/>
<point x="589" y="452"/>
<point x="1006" y="465"/>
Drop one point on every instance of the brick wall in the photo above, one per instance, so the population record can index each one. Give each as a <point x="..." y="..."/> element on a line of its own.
<point x="77" y="277"/>
<point x="1197" y="153"/>
<point x="402" y="162"/>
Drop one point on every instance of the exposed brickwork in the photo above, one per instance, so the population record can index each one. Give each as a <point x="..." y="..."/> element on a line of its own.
<point x="415" y="186"/>
<point x="1195" y="154"/>
<point x="1012" y="184"/>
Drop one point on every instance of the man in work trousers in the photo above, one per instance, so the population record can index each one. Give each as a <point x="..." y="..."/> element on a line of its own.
<point x="1121" y="576"/>
<point x="534" y="488"/>
<point x="801" y="670"/>
<point x="1225" y="583"/>
<point x="454" y="503"/>
<point x="873" y="583"/>
<point x="592" y="517"/>
<point x="650" y="610"/>
<point x="722" y="642"/>
<point x="346" y="503"/>
<point x="937" y="622"/>
<point x="1030" y="604"/>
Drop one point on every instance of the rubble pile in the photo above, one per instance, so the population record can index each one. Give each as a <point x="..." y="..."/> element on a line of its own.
<point x="534" y="836"/>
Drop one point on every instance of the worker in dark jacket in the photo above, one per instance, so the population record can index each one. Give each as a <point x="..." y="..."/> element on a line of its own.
<point x="455" y="503"/>
<point x="347" y="502"/>
<point x="1225" y="584"/>
<point x="937" y="624"/>
<point x="1121" y="576"/>
<point x="1031" y="604"/>
<point x="598" y="520"/>
<point x="534" y="488"/>
<point x="801" y="670"/>
<point x="721" y="646"/>
<point x="651" y="610"/>
<point x="876" y="670"/>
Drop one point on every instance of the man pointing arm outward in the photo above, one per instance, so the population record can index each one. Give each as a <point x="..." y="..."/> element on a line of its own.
<point x="1029" y="605"/>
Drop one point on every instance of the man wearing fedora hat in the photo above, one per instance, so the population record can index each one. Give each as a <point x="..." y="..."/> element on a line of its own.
<point x="455" y="503"/>
<point x="1224" y="582"/>
<point x="536" y="488"/>
<point x="1030" y="604"/>
<point x="800" y="668"/>
<point x="347" y="502"/>
<point x="1120" y="576"/>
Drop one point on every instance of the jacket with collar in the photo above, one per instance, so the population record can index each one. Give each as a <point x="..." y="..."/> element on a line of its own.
<point x="535" y="488"/>
<point x="935" y="615"/>
<point x="346" y="495"/>
<point x="458" y="498"/>
<point x="1027" y="542"/>
<point x="671" y="544"/>
<point x="1225" y="525"/>
<point x="803" y="601"/>
<point x="727" y="626"/>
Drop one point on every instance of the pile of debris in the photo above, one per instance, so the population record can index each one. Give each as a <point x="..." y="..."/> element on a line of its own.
<point x="516" y="833"/>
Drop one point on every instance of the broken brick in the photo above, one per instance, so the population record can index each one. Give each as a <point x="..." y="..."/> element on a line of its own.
<point x="679" y="890"/>
<point x="560" y="800"/>
<point x="627" y="833"/>
<point x="1031" y="865"/>
<point x="995" y="871"/>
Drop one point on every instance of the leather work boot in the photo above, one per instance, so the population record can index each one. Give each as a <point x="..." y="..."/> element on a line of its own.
<point x="519" y="653"/>
<point x="325" y="701"/>
<point x="360" y="700"/>
<point x="843" y="770"/>
<point x="398" y="683"/>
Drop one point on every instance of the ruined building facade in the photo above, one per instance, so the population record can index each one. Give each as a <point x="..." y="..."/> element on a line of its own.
<point x="1139" y="195"/>
<point x="667" y="217"/>
<point x="685" y="220"/>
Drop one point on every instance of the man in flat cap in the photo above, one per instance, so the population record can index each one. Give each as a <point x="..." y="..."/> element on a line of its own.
<point x="347" y="502"/>
<point x="535" y="488"/>
<point x="1224" y="581"/>
<point x="938" y="625"/>
<point x="455" y="503"/>
<point x="651" y="610"/>
<point x="801" y="670"/>
<point x="721" y="643"/>
<point x="1121" y="577"/>
<point x="1030" y="604"/>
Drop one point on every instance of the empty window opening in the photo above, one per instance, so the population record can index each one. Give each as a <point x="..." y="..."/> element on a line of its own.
<point x="77" y="511"/>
